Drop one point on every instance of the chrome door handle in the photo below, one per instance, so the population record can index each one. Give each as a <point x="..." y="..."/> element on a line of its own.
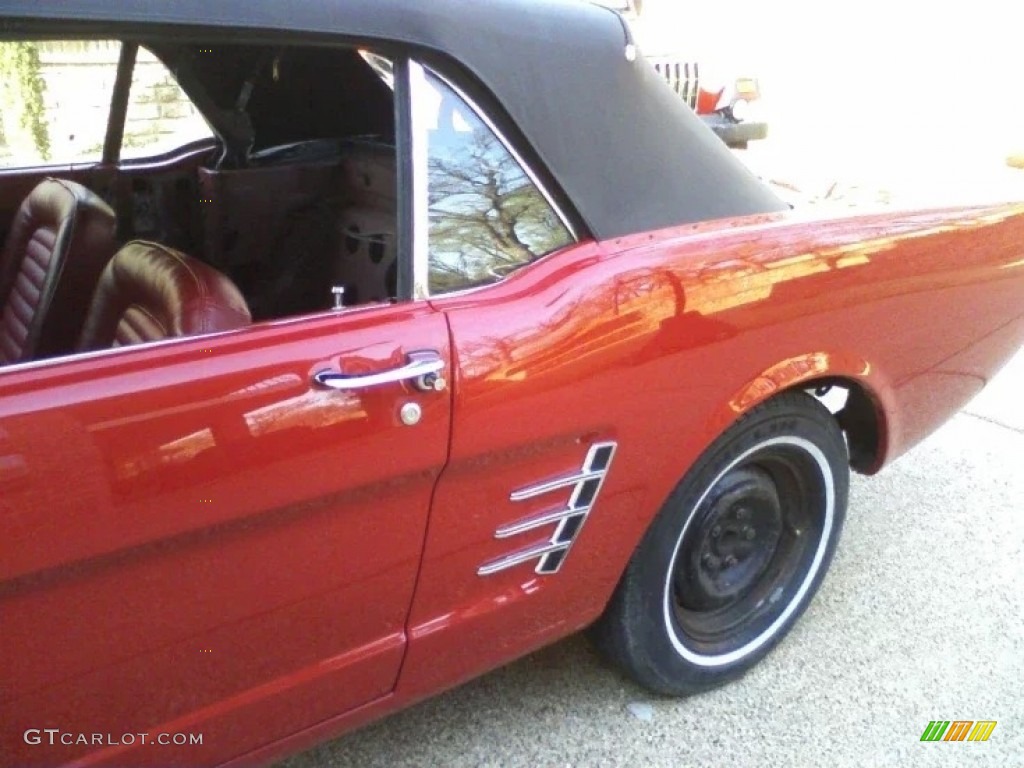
<point x="423" y="367"/>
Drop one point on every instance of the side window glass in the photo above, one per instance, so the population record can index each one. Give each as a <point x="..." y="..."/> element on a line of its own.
<point x="160" y="116"/>
<point x="55" y="100"/>
<point x="487" y="217"/>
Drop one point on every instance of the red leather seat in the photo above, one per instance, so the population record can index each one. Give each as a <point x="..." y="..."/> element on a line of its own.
<point x="59" y="242"/>
<point x="149" y="292"/>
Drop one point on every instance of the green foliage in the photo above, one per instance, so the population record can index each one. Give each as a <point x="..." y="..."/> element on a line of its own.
<point x="23" y="91"/>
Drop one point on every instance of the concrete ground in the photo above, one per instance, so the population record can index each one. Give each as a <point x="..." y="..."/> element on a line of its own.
<point x="921" y="618"/>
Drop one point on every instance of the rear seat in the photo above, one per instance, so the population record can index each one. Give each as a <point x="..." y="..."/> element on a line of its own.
<point x="287" y="233"/>
<point x="367" y="265"/>
<point x="368" y="173"/>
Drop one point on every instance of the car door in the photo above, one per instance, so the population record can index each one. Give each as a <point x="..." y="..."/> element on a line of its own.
<point x="201" y="539"/>
<point x="214" y="538"/>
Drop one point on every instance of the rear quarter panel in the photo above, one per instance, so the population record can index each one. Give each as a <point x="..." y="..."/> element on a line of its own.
<point x="660" y="342"/>
<point x="920" y="308"/>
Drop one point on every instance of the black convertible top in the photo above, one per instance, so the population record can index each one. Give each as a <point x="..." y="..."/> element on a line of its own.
<point x="629" y="155"/>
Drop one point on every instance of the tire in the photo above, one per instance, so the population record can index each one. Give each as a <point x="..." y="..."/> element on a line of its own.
<point x="736" y="553"/>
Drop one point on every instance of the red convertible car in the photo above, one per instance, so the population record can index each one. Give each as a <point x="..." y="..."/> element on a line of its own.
<point x="366" y="346"/>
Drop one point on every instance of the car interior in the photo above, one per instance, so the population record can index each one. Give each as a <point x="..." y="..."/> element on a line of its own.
<point x="290" y="207"/>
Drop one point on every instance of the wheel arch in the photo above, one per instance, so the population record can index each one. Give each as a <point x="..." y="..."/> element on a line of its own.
<point x="864" y="406"/>
<point x="866" y="414"/>
<point x="860" y="416"/>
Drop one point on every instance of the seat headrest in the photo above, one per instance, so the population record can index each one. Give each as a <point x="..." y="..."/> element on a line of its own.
<point x="150" y="292"/>
<point x="57" y="245"/>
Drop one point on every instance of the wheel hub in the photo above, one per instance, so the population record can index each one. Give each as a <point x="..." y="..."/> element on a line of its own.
<point x="732" y="540"/>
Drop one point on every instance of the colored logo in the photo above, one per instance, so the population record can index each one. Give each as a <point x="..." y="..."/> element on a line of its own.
<point x="958" y="730"/>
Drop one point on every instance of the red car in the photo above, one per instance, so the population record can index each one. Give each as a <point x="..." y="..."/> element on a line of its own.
<point x="352" y="349"/>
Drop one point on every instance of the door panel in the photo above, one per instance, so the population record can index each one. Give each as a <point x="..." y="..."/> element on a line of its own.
<point x="199" y="539"/>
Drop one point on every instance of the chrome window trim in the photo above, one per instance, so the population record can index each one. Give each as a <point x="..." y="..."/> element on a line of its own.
<point x="420" y="143"/>
<point x="421" y="194"/>
<point x="143" y="346"/>
<point x="384" y="66"/>
<point x="510" y="148"/>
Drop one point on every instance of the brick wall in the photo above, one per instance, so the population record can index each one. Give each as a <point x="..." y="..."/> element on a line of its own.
<point x="79" y="80"/>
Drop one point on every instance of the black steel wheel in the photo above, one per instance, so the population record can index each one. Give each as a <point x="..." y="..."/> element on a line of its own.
<point x="736" y="552"/>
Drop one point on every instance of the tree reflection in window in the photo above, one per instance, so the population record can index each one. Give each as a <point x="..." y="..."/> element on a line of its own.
<point x="487" y="218"/>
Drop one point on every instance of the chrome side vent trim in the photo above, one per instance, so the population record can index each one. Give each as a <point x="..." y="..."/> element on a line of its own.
<point x="586" y="486"/>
